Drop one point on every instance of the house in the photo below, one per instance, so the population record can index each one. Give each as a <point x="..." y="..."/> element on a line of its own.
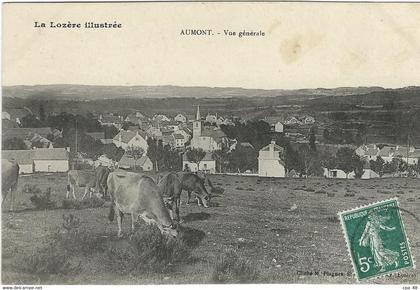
<point x="337" y="173"/>
<point x="32" y="137"/>
<point x="212" y="119"/>
<point x="51" y="160"/>
<point x="269" y="162"/>
<point x="410" y="154"/>
<point x="111" y="120"/>
<point x="161" y="118"/>
<point x="136" y="118"/>
<point x="104" y="161"/>
<point x="96" y="135"/>
<point x="179" y="140"/>
<point x="185" y="133"/>
<point x="207" y="164"/>
<point x="370" y="151"/>
<point x="180" y="118"/>
<point x="39" y="160"/>
<point x="154" y="132"/>
<point x="207" y="139"/>
<point x="369" y="174"/>
<point x="292" y="121"/>
<point x="278" y="127"/>
<point x="128" y="162"/>
<point x="307" y="120"/>
<point x="125" y="139"/>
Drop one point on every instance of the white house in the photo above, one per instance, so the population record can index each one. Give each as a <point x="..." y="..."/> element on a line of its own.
<point x="126" y="139"/>
<point x="128" y="162"/>
<point x="208" y="164"/>
<point x="410" y="155"/>
<point x="180" y="118"/>
<point x="292" y="121"/>
<point x="211" y="119"/>
<point x="104" y="161"/>
<point x="179" y="140"/>
<point x="39" y="160"/>
<point x="161" y="118"/>
<point x="307" y="120"/>
<point x="51" y="160"/>
<point x="111" y="120"/>
<point x="278" y="127"/>
<point x="269" y="161"/>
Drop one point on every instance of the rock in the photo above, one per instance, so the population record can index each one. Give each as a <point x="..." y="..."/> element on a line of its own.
<point x="293" y="207"/>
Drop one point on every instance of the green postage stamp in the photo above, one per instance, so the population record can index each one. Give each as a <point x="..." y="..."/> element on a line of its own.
<point x="376" y="239"/>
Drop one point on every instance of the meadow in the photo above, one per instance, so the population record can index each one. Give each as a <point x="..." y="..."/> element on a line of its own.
<point x="259" y="230"/>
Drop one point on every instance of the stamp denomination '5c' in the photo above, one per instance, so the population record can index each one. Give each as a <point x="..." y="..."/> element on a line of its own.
<point x="376" y="239"/>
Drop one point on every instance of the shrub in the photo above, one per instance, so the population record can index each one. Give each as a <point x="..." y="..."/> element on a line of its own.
<point x="93" y="202"/>
<point x="320" y="191"/>
<point x="146" y="251"/>
<point x="43" y="201"/>
<point x="31" y="188"/>
<point x="230" y="267"/>
<point x="349" y="194"/>
<point x="46" y="261"/>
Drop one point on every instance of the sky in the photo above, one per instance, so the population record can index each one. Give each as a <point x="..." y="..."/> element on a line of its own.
<point x="306" y="45"/>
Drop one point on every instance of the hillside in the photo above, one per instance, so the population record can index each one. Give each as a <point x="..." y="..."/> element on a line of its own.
<point x="88" y="92"/>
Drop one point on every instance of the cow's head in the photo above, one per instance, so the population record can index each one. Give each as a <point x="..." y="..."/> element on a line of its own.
<point x="169" y="230"/>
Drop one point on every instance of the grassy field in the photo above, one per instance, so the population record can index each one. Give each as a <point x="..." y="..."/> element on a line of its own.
<point x="285" y="229"/>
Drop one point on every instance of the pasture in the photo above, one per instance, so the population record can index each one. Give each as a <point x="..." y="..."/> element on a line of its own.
<point x="286" y="229"/>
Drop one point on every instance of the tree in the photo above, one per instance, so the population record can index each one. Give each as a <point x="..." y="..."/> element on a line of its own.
<point x="378" y="165"/>
<point x="30" y="121"/>
<point x="312" y="138"/>
<point x="196" y="155"/>
<point x="243" y="158"/>
<point x="41" y="113"/>
<point x="220" y="156"/>
<point x="345" y="160"/>
<point x="13" y="144"/>
<point x="136" y="153"/>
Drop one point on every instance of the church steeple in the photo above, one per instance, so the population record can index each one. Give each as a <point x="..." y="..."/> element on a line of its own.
<point x="198" y="117"/>
<point x="197" y="125"/>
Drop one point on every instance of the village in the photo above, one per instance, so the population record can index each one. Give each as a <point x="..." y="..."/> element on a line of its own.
<point x="207" y="143"/>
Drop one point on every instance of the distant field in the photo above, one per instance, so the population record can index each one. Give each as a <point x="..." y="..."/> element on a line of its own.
<point x="287" y="227"/>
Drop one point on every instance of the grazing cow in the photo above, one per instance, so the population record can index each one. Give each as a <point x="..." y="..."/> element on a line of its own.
<point x="138" y="195"/>
<point x="81" y="178"/>
<point x="9" y="179"/>
<point x="102" y="173"/>
<point x="171" y="186"/>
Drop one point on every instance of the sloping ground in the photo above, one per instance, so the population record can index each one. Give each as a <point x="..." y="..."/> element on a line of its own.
<point x="287" y="227"/>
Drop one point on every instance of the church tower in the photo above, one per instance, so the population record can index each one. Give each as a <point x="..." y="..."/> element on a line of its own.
<point x="197" y="124"/>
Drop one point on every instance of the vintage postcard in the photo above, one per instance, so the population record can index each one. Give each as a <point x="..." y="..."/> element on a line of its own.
<point x="210" y="143"/>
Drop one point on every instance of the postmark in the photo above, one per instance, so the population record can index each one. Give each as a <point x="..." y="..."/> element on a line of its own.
<point x="376" y="239"/>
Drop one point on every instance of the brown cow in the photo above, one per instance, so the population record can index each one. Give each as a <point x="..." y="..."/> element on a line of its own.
<point x="81" y="178"/>
<point x="139" y="196"/>
<point x="9" y="179"/>
<point x="171" y="186"/>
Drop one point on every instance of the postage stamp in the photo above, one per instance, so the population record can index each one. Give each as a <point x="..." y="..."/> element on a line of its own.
<point x="376" y="239"/>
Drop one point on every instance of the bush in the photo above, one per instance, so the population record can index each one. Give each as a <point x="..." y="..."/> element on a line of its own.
<point x="31" y="188"/>
<point x="146" y="251"/>
<point x="231" y="268"/>
<point x="43" y="262"/>
<point x="43" y="201"/>
<point x="93" y="202"/>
